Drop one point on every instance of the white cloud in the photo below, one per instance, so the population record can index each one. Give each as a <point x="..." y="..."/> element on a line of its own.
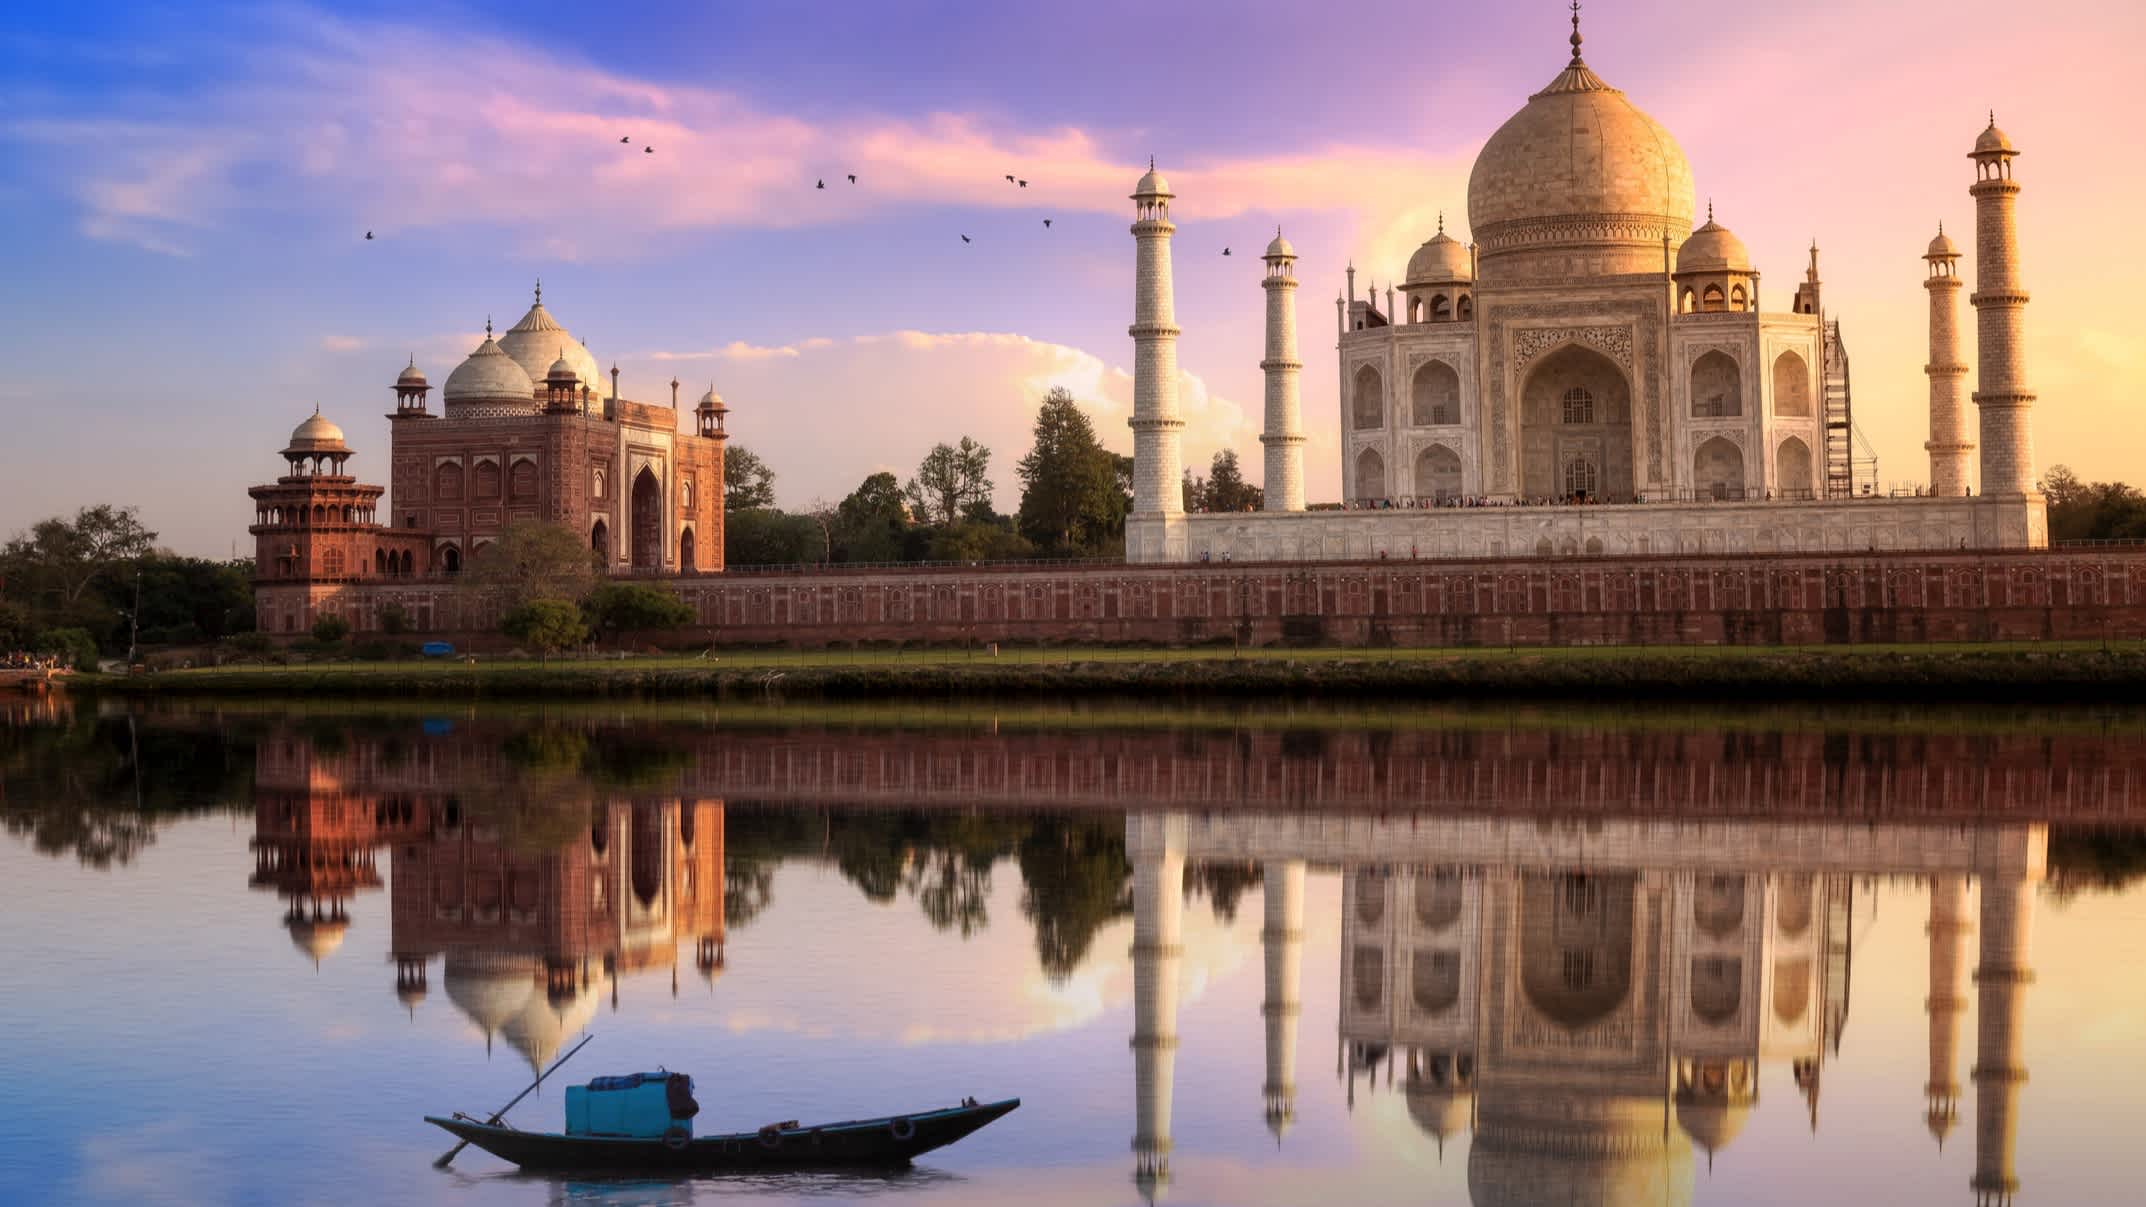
<point x="341" y="343"/>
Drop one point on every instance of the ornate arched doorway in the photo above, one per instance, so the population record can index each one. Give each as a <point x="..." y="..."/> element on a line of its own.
<point x="686" y="564"/>
<point x="1576" y="427"/>
<point x="600" y="542"/>
<point x="647" y="521"/>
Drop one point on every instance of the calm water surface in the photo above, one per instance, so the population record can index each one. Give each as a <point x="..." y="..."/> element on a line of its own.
<point x="1530" y="956"/>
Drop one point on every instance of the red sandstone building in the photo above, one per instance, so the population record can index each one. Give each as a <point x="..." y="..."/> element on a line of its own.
<point x="528" y="430"/>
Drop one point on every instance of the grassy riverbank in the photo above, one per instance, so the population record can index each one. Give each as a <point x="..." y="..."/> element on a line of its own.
<point x="2083" y="671"/>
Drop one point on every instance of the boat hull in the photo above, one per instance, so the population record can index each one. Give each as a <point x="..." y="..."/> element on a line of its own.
<point x="893" y="1140"/>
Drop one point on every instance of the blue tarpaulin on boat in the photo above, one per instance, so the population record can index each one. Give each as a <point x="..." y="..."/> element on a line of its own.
<point x="641" y="1105"/>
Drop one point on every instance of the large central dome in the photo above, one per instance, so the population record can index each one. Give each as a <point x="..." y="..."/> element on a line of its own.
<point x="1580" y="168"/>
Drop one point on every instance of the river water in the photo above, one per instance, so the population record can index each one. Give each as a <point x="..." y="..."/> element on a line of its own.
<point x="1277" y="956"/>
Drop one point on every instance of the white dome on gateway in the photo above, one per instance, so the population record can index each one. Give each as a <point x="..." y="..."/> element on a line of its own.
<point x="538" y="339"/>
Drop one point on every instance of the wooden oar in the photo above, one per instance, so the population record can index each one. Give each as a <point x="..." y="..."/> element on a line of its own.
<point x="447" y="1157"/>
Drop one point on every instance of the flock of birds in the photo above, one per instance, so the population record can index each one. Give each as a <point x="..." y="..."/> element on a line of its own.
<point x="821" y="183"/>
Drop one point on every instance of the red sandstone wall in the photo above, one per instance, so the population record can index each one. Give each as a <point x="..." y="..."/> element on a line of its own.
<point x="1753" y="599"/>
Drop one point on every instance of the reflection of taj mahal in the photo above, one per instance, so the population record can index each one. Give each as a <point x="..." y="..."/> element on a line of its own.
<point x="1589" y="348"/>
<point x="1592" y="1006"/>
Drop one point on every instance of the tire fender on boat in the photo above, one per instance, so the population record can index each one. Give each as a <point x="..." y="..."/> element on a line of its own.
<point x="677" y="1138"/>
<point x="902" y="1128"/>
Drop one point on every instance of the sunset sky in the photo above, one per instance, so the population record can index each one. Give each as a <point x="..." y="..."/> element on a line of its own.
<point x="185" y="190"/>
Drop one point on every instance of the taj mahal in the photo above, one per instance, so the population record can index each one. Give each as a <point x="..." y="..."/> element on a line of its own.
<point x="1592" y="375"/>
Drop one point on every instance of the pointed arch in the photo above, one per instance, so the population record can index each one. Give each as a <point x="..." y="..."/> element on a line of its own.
<point x="1791" y="386"/>
<point x="1370" y="475"/>
<point x="1434" y="394"/>
<point x="1367" y="405"/>
<point x="647" y="520"/>
<point x="686" y="561"/>
<point x="1717" y="387"/>
<point x="1792" y="468"/>
<point x="600" y="541"/>
<point x="1717" y="470"/>
<point x="1437" y="473"/>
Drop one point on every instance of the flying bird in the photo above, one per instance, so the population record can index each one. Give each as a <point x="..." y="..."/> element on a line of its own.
<point x="820" y="184"/>
<point x="368" y="234"/>
<point x="1046" y="224"/>
<point x="964" y="238"/>
<point x="1023" y="184"/>
<point x="625" y="138"/>
<point x="1009" y="178"/>
<point x="853" y="178"/>
<point x="648" y="150"/>
<point x="1225" y="251"/>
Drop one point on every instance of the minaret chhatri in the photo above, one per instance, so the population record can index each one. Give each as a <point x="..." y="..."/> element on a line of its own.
<point x="1284" y="436"/>
<point x="1158" y="464"/>
<point x="1948" y="932"/>
<point x="2000" y="303"/>
<point x="1948" y="445"/>
<point x="1156" y="845"/>
<point x="2001" y="980"/>
<point x="1282" y="939"/>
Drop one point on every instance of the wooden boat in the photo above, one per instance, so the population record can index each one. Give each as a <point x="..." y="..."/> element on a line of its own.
<point x="889" y="1141"/>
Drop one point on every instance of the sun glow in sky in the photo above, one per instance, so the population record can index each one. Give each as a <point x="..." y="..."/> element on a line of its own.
<point x="185" y="193"/>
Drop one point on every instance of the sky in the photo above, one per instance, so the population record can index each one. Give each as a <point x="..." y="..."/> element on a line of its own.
<point x="185" y="189"/>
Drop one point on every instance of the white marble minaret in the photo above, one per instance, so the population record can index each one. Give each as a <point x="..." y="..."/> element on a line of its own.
<point x="1156" y="845"/>
<point x="2000" y="303"/>
<point x="1158" y="463"/>
<point x="1282" y="938"/>
<point x="1949" y="444"/>
<point x="2000" y="1072"/>
<point x="1284" y="436"/>
<point x="1948" y="932"/>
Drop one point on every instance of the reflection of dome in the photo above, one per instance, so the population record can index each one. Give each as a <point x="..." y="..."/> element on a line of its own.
<point x="1581" y="1152"/>
<point x="410" y="994"/>
<point x="538" y="1029"/>
<point x="490" y="991"/>
<point x="488" y="373"/>
<point x="1579" y="164"/>
<point x="1442" y="258"/>
<point x="318" y="939"/>
<point x="1712" y="1122"/>
<point x="1441" y="1111"/>
<point x="533" y="342"/>
<point x="316" y="435"/>
<point x="1713" y="248"/>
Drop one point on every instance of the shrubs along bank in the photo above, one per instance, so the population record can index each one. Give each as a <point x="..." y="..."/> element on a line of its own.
<point x="2050" y="673"/>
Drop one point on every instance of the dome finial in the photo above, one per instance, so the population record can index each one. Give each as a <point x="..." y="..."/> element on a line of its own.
<point x="540" y="291"/>
<point x="1710" y="209"/>
<point x="1151" y="158"/>
<point x="487" y="326"/>
<point x="1441" y="222"/>
<point x="1576" y="34"/>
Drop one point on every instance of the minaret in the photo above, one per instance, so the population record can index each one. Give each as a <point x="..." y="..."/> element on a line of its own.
<point x="1157" y="847"/>
<point x="1283" y="941"/>
<point x="2000" y="1070"/>
<point x="1158" y="465"/>
<point x="2000" y="303"/>
<point x="1948" y="932"/>
<point x="1284" y="436"/>
<point x="1948" y="445"/>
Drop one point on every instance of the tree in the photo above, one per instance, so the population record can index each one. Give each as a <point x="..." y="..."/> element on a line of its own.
<point x="763" y="536"/>
<point x="57" y="560"/>
<point x="532" y="560"/>
<point x="547" y="625"/>
<point x="1226" y="488"/>
<point x="979" y="541"/>
<point x="617" y="608"/>
<point x="188" y="599"/>
<point x="2092" y="511"/>
<point x="329" y="628"/>
<point x="748" y="483"/>
<point x="951" y="480"/>
<point x="870" y="525"/>
<point x="74" y="646"/>
<point x="1070" y="496"/>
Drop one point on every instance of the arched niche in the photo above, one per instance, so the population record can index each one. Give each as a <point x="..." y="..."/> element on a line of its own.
<point x="1437" y="473"/>
<point x="1434" y="395"/>
<point x="1717" y="387"/>
<point x="1370" y="475"/>
<point x="1717" y="468"/>
<point x="1576" y="408"/>
<point x="1576" y="945"/>
<point x="1791" y="386"/>
<point x="1367" y="400"/>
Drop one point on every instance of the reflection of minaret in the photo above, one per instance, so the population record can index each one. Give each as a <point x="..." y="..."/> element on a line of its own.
<point x="2000" y="1066"/>
<point x="1948" y="929"/>
<point x="1157" y="848"/>
<point x="1283" y="941"/>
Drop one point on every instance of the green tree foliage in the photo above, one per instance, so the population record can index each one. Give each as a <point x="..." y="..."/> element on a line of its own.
<point x="1073" y="500"/>
<point x="75" y="646"/>
<point x="616" y="608"/>
<point x="545" y="625"/>
<point x="98" y="786"/>
<point x="952" y="480"/>
<point x="16" y="626"/>
<point x="766" y="537"/>
<point x="2095" y="859"/>
<point x="329" y="629"/>
<point x="532" y="560"/>
<point x="191" y="599"/>
<point x="1226" y="488"/>
<point x="748" y="483"/>
<point x="2092" y="511"/>
<point x="872" y="524"/>
<point x="979" y="541"/>
<point x="57" y="562"/>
